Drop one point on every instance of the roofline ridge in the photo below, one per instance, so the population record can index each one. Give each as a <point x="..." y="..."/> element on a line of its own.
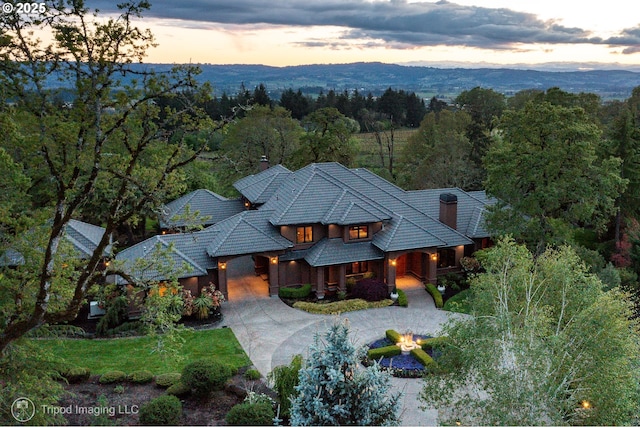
<point x="189" y="260"/>
<point x="238" y="220"/>
<point x="266" y="235"/>
<point x="335" y="205"/>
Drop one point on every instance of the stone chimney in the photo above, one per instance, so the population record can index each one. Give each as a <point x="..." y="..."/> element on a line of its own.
<point x="449" y="209"/>
<point x="264" y="163"/>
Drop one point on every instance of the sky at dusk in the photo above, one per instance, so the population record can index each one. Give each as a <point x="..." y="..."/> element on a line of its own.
<point x="294" y="32"/>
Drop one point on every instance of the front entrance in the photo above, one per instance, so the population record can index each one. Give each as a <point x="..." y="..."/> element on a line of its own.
<point x="242" y="281"/>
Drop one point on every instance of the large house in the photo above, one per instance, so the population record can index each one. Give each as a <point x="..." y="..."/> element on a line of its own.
<point x="323" y="224"/>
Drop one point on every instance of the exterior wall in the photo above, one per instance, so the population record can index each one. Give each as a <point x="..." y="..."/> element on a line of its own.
<point x="334" y="231"/>
<point x="294" y="273"/>
<point x="191" y="284"/>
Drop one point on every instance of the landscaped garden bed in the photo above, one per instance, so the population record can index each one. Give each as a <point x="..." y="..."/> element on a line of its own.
<point x="413" y="360"/>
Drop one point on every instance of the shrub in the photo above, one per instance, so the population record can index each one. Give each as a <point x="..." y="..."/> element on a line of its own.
<point x="116" y="313"/>
<point x="112" y="377"/>
<point x="431" y="343"/>
<point x="393" y="335"/>
<point x="437" y="296"/>
<point x="126" y="329"/>
<point x="76" y="374"/>
<point x="252" y="374"/>
<point x="162" y="411"/>
<point x="403" y="301"/>
<point x="204" y="376"/>
<point x="119" y="389"/>
<point x="140" y="377"/>
<point x="285" y="379"/>
<point x="251" y="414"/>
<point x="179" y="389"/>
<point x="370" y="290"/>
<point x="167" y="380"/>
<point x="340" y="306"/>
<point x="295" y="292"/>
<point x="369" y="275"/>
<point x="426" y="360"/>
<point x="388" y="351"/>
<point x="459" y="302"/>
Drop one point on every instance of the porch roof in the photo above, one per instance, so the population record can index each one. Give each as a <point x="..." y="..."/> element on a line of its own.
<point x="336" y="251"/>
<point x="187" y="257"/>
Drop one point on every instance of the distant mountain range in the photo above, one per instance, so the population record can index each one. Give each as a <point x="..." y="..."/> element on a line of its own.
<point x="425" y="81"/>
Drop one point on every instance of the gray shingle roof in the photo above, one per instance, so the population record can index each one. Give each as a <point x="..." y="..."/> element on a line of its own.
<point x="336" y="251"/>
<point x="245" y="233"/>
<point x="329" y="193"/>
<point x="209" y="205"/>
<point x="260" y="187"/>
<point x="84" y="238"/>
<point x="187" y="258"/>
<point x="471" y="208"/>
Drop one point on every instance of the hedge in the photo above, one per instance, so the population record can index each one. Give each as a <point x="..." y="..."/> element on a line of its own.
<point x="161" y="411"/>
<point x="403" y="301"/>
<point x="388" y="351"/>
<point x="340" y="306"/>
<point x="204" y="376"/>
<point x="179" y="389"/>
<point x="251" y="414"/>
<point x="435" y="293"/>
<point x="295" y="292"/>
<point x="422" y="357"/>
<point x="112" y="377"/>
<point x="393" y="336"/>
<point x="167" y="380"/>
<point x="140" y="377"/>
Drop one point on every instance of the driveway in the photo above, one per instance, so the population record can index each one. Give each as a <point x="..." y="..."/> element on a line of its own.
<point x="272" y="332"/>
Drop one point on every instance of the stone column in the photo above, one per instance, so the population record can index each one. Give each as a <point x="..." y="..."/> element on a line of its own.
<point x="222" y="278"/>
<point x="320" y="285"/>
<point x="274" y="284"/>
<point x="342" y="278"/>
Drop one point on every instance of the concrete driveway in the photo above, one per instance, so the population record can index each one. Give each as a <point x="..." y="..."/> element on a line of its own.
<point x="272" y="332"/>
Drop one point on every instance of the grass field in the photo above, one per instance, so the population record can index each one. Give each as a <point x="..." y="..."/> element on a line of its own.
<point x="132" y="354"/>
<point x="369" y="156"/>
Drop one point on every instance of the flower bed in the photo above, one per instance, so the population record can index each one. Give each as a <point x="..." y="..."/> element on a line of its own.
<point x="402" y="365"/>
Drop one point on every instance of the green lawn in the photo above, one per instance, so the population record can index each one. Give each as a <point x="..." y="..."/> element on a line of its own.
<point x="131" y="354"/>
<point x="458" y="303"/>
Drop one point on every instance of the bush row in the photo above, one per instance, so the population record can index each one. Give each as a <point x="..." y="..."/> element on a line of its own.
<point x="430" y="343"/>
<point x="340" y="306"/>
<point x="435" y="293"/>
<point x="168" y="379"/>
<point x="295" y="292"/>
<point x="403" y="301"/>
<point x="393" y="336"/>
<point x="422" y="357"/>
<point x="388" y="351"/>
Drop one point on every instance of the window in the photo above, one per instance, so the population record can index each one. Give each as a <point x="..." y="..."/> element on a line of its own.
<point x="357" y="267"/>
<point x="446" y="258"/>
<point x="358" y="232"/>
<point x="304" y="234"/>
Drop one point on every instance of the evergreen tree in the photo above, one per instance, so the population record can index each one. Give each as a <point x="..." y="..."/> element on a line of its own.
<point x="334" y="388"/>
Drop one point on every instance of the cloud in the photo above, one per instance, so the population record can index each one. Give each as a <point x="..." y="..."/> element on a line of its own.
<point x="397" y="22"/>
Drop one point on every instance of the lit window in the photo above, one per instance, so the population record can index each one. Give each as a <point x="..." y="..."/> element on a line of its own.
<point x="357" y="267"/>
<point x="358" y="232"/>
<point x="304" y="234"/>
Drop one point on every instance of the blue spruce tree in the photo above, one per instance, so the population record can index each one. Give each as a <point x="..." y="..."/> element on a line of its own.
<point x="335" y="389"/>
